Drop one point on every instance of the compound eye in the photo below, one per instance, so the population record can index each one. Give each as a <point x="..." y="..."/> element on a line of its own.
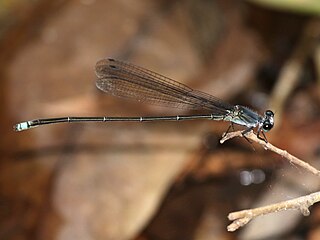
<point x="267" y="126"/>
<point x="269" y="113"/>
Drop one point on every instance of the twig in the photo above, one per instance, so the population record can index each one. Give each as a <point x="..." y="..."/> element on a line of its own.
<point x="269" y="146"/>
<point x="241" y="218"/>
<point x="287" y="81"/>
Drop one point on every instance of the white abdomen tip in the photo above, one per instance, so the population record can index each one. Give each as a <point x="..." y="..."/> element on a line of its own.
<point x="21" y="126"/>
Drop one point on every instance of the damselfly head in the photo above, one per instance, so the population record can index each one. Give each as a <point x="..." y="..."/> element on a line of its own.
<point x="268" y="121"/>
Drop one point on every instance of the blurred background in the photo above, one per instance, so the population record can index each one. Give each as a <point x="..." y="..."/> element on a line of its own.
<point x="157" y="181"/>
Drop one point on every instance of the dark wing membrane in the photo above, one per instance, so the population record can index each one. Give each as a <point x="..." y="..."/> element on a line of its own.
<point x="129" y="81"/>
<point x="126" y="80"/>
<point x="210" y="102"/>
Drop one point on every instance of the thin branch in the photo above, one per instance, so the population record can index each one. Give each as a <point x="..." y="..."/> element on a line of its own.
<point x="269" y="146"/>
<point x="241" y="218"/>
<point x="288" y="80"/>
